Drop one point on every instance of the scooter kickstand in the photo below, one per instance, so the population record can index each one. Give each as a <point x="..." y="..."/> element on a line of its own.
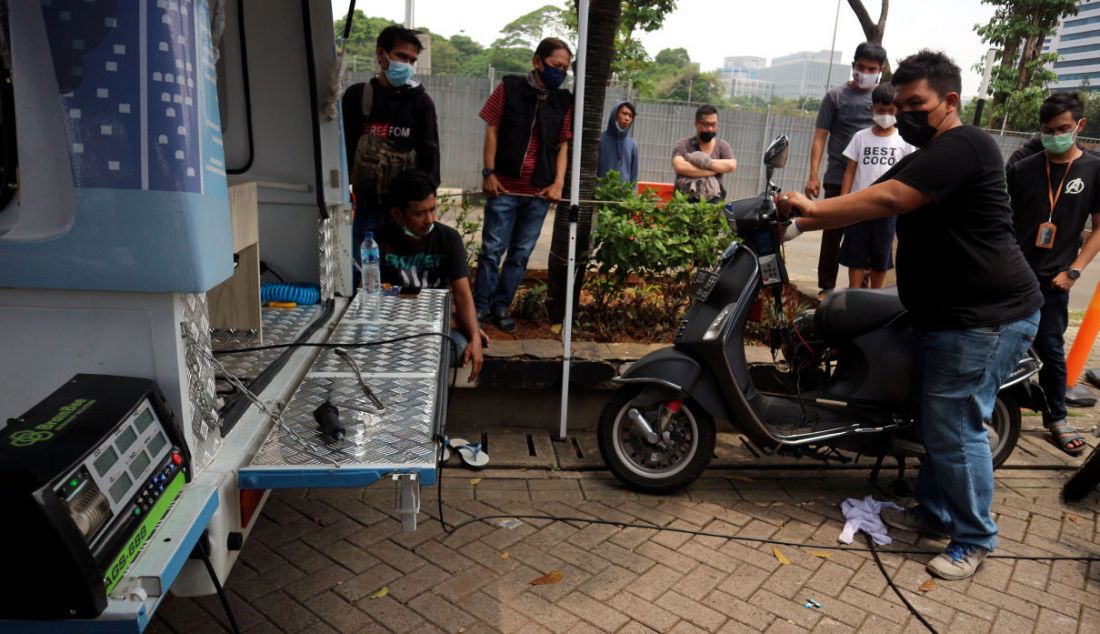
<point x="877" y="468"/>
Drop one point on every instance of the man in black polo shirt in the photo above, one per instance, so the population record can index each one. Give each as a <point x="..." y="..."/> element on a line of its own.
<point x="1058" y="188"/>
<point x="972" y="297"/>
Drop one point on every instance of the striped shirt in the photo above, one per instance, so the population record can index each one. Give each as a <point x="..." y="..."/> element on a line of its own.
<point x="491" y="113"/>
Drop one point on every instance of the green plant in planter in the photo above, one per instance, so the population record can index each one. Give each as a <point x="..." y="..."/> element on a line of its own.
<point x="637" y="239"/>
<point x="531" y="303"/>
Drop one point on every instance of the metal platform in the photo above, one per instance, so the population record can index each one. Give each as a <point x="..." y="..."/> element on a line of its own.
<point x="281" y="326"/>
<point x="408" y="376"/>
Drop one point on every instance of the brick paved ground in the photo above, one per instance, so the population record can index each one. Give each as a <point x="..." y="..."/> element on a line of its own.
<point x="317" y="556"/>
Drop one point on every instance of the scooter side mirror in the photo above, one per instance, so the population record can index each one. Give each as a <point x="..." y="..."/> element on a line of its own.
<point x="776" y="154"/>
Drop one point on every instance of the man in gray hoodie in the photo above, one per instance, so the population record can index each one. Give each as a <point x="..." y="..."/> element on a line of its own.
<point x="618" y="151"/>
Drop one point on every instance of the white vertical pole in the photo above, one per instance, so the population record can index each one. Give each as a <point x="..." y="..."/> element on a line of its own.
<point x="410" y="17"/>
<point x="574" y="198"/>
<point x="832" y="49"/>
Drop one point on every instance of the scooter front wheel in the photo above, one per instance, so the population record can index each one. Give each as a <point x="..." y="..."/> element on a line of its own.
<point x="677" y="457"/>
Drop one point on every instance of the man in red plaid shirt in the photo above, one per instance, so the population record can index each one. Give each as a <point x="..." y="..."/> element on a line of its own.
<point x="528" y="123"/>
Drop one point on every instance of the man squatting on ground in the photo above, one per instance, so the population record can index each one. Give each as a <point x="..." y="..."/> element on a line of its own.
<point x="972" y="297"/>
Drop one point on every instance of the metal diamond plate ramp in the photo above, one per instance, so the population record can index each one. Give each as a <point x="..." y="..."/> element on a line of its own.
<point x="409" y="376"/>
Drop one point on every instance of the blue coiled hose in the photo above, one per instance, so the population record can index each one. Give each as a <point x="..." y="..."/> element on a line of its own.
<point x="297" y="293"/>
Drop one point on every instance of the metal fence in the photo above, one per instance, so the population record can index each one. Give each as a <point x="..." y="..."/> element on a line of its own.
<point x="657" y="128"/>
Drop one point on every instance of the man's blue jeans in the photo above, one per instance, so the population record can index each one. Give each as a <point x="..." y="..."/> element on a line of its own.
<point x="512" y="223"/>
<point x="959" y="373"/>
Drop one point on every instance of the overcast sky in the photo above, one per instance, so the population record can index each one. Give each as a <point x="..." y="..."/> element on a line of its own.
<point x="713" y="29"/>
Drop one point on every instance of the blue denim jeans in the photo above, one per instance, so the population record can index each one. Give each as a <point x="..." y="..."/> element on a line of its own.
<point x="512" y="224"/>
<point x="959" y="373"/>
<point x="1050" y="346"/>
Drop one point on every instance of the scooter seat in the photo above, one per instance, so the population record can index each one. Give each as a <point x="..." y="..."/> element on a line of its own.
<point x="848" y="313"/>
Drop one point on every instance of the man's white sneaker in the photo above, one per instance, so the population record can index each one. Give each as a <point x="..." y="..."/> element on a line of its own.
<point x="957" y="562"/>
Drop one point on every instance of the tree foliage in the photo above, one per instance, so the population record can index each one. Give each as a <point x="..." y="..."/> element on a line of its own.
<point x="1020" y="78"/>
<point x="528" y="30"/>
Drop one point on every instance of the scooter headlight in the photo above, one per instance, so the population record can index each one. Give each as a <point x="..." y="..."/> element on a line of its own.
<point x="715" y="326"/>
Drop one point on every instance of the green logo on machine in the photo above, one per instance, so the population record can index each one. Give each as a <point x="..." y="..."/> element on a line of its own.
<point x="45" y="431"/>
<point x="28" y="437"/>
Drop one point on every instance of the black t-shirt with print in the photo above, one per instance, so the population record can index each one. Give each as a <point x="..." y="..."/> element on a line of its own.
<point x="1080" y="197"/>
<point x="958" y="264"/>
<point x="431" y="262"/>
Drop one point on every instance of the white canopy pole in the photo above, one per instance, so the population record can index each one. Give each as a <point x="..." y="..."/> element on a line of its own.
<point x="574" y="198"/>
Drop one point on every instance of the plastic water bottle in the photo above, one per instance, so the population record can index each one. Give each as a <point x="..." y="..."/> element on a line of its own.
<point x="372" y="275"/>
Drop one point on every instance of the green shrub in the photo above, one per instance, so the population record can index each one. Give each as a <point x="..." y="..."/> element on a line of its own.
<point x="531" y="303"/>
<point x="644" y="255"/>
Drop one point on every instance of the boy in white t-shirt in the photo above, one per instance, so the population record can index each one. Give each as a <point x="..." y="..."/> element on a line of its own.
<point x="868" y="245"/>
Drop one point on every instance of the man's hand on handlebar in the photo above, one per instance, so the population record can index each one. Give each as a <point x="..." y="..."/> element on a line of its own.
<point x="790" y="204"/>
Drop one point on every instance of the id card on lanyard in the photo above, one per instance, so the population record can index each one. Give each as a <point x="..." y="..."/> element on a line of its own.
<point x="1044" y="239"/>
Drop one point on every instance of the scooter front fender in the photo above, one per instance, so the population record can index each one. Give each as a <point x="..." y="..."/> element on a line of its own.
<point x="676" y="370"/>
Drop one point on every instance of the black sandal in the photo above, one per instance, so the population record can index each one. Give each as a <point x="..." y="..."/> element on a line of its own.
<point x="1062" y="436"/>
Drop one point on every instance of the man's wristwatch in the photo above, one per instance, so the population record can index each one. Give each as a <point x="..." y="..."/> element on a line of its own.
<point x="1073" y="273"/>
<point x="486" y="172"/>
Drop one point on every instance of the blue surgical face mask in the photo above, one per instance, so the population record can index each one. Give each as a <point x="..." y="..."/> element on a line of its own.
<point x="551" y="77"/>
<point x="399" y="73"/>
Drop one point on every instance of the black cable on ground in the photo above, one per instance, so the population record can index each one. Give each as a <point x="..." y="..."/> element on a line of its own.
<point x="871" y="549"/>
<point x="894" y="586"/>
<point x="218" y="587"/>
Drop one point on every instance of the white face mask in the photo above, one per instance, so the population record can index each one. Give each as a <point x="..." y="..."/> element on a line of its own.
<point x="865" y="81"/>
<point x="885" y="121"/>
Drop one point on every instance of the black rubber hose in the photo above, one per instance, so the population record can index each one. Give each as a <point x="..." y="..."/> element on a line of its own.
<point x="314" y="110"/>
<point x="247" y="93"/>
<point x="218" y="587"/>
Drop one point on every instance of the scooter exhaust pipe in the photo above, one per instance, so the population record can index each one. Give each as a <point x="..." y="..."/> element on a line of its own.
<point x="642" y="426"/>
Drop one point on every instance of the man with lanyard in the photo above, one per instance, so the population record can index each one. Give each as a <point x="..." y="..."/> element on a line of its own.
<point x="1053" y="193"/>
<point x="967" y="288"/>
<point x="845" y="110"/>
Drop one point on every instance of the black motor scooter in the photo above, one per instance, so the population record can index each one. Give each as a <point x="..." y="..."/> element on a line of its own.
<point x="844" y="384"/>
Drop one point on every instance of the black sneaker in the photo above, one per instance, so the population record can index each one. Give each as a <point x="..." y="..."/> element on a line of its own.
<point x="915" y="520"/>
<point x="504" y="322"/>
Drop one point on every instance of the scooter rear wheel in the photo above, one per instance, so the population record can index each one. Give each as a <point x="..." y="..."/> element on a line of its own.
<point x="648" y="468"/>
<point x="1005" y="423"/>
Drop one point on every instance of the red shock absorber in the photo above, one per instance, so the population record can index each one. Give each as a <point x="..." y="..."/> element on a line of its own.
<point x="670" y="409"/>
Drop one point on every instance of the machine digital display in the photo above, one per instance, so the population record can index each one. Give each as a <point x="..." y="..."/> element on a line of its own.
<point x="156" y="443"/>
<point x="141" y="460"/>
<point x="125" y="439"/>
<point x="104" y="462"/>
<point x="120" y="487"/>
<point x="142" y="422"/>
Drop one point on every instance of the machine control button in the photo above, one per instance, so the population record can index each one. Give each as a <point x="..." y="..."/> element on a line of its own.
<point x="177" y="458"/>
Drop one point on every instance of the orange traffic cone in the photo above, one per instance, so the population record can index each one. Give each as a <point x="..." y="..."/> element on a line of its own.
<point x="1082" y="344"/>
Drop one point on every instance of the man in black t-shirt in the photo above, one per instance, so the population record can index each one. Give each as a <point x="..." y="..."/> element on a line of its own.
<point x="418" y="252"/>
<point x="971" y="295"/>
<point x="1057" y="188"/>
